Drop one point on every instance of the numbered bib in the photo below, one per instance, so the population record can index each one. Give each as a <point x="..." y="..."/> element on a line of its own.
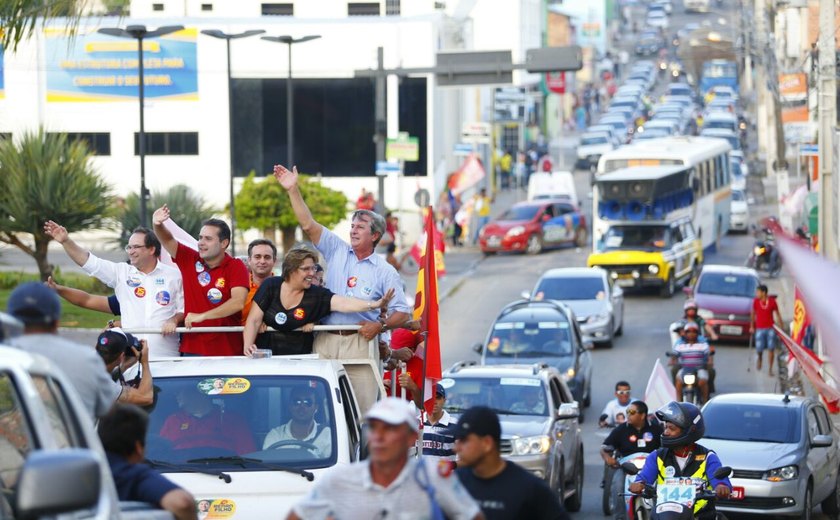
<point x="680" y="490"/>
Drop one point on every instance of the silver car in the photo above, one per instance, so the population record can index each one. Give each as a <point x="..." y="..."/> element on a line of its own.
<point x="597" y="302"/>
<point x="783" y="450"/>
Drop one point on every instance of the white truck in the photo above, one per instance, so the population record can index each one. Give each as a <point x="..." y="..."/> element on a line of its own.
<point x="697" y="6"/>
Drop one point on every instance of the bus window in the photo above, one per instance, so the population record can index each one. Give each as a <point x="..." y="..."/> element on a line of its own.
<point x="676" y="234"/>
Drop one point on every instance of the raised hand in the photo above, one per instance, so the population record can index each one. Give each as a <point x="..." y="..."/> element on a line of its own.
<point x="56" y="231"/>
<point x="160" y="215"/>
<point x="386" y="298"/>
<point x="287" y="179"/>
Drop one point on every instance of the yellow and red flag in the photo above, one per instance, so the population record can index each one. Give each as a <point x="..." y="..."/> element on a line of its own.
<point x="801" y="319"/>
<point x="426" y="359"/>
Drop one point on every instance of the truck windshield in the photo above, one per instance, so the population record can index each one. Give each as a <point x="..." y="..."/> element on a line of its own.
<point x="647" y="238"/>
<point x="225" y="420"/>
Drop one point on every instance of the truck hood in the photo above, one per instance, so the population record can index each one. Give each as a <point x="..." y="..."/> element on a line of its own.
<point x="628" y="257"/>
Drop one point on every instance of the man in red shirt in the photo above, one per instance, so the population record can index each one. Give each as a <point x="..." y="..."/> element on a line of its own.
<point x="764" y="309"/>
<point x="215" y="286"/>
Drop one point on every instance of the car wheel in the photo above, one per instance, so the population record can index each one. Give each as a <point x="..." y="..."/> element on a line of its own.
<point x="489" y="253"/>
<point x="620" y="330"/>
<point x="831" y="504"/>
<point x="535" y="245"/>
<point x="807" y="503"/>
<point x="669" y="288"/>
<point x="574" y="502"/>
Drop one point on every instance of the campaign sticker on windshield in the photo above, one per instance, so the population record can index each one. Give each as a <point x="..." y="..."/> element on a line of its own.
<point x="680" y="490"/>
<point x="224" y="385"/>
<point x="519" y="381"/>
<point x="446" y="382"/>
<point x="208" y="508"/>
<point x="613" y="241"/>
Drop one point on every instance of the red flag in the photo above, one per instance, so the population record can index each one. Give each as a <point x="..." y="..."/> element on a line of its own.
<point x="426" y="359"/>
<point x="811" y="366"/>
<point x="801" y="319"/>
<point x="420" y="246"/>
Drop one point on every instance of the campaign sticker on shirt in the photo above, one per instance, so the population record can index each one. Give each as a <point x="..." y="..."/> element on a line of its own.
<point x="367" y="291"/>
<point x="280" y="318"/>
<point x="224" y="385"/>
<point x="648" y="436"/>
<point x="299" y="313"/>
<point x="214" y="295"/>
<point x="160" y="280"/>
<point x="134" y="280"/>
<point x="140" y="292"/>
<point x="632" y="438"/>
<point x="211" y="508"/>
<point x="163" y="298"/>
<point x="669" y="471"/>
<point x="351" y="282"/>
<point x="199" y="267"/>
<point x="220" y="283"/>
<point x="444" y="468"/>
<point x="204" y="279"/>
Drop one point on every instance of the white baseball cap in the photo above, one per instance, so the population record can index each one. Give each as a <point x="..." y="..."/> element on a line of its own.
<point x="393" y="410"/>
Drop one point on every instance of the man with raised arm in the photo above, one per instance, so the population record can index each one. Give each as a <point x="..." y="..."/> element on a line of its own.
<point x="215" y="286"/>
<point x="150" y="293"/>
<point x="353" y="270"/>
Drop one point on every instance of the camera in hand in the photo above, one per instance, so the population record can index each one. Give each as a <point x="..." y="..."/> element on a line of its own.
<point x="113" y="342"/>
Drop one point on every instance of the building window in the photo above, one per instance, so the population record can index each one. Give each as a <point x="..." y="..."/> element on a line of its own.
<point x="278" y="9"/>
<point x="157" y="7"/>
<point x="206" y="7"/>
<point x="392" y="7"/>
<point x="363" y="9"/>
<point x="99" y="143"/>
<point x="168" y="143"/>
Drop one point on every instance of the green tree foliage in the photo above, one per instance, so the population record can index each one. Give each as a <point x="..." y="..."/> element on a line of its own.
<point x="19" y="18"/>
<point x="188" y="210"/>
<point x="264" y="204"/>
<point x="46" y="176"/>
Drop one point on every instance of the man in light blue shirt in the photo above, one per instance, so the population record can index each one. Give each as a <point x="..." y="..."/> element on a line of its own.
<point x="353" y="270"/>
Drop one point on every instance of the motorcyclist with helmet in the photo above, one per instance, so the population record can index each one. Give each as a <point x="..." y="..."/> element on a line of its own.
<point x="693" y="354"/>
<point x="681" y="456"/>
<point x="707" y="332"/>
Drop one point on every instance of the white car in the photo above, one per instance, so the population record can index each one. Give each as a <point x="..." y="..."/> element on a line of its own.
<point x="737" y="180"/>
<point x="739" y="212"/>
<point x="249" y="463"/>
<point x="591" y="147"/>
<point x="657" y="19"/>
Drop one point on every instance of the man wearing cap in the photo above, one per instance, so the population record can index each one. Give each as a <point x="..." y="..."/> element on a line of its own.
<point x="503" y="489"/>
<point x="439" y="429"/>
<point x="112" y="346"/>
<point x="150" y="293"/>
<point x="695" y="355"/>
<point x="38" y="307"/>
<point x="389" y="484"/>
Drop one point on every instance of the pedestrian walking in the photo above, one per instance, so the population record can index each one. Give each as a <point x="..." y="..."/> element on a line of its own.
<point x="764" y="314"/>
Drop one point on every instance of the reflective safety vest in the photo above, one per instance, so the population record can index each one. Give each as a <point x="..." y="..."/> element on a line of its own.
<point x="695" y="468"/>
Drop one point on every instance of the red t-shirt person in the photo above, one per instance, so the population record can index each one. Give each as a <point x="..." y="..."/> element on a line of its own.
<point x="206" y="288"/>
<point x="764" y="312"/>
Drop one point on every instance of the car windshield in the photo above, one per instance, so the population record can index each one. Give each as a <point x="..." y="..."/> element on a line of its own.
<point x="571" y="288"/>
<point x="728" y="125"/>
<point x="679" y="91"/>
<point x="520" y="213"/>
<point x="738" y="195"/>
<point x="727" y="284"/>
<point x="521" y="395"/>
<point x="518" y="339"/>
<point x="595" y="139"/>
<point x="637" y="237"/>
<point x="752" y="423"/>
<point x="248" y="422"/>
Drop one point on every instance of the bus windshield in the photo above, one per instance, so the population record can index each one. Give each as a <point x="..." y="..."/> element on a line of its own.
<point x="719" y="70"/>
<point x="647" y="238"/>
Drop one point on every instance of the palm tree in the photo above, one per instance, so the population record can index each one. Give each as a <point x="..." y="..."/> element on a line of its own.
<point x="48" y="176"/>
<point x="188" y="210"/>
<point x="19" y="18"/>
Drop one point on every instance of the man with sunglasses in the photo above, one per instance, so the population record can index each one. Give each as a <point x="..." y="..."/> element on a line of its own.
<point x="634" y="436"/>
<point x="695" y="355"/>
<point x="617" y="407"/>
<point x="150" y="293"/>
<point x="302" y="429"/>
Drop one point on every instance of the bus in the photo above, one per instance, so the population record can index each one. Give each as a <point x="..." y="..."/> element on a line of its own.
<point x="718" y="72"/>
<point x="705" y="162"/>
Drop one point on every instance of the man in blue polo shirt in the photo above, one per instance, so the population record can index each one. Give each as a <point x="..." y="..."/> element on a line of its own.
<point x="439" y="430"/>
<point x="123" y="435"/>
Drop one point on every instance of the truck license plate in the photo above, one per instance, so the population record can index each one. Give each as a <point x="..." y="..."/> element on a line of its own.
<point x="625" y="282"/>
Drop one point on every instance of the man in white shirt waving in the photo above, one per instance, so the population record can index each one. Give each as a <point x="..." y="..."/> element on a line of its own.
<point x="150" y="293"/>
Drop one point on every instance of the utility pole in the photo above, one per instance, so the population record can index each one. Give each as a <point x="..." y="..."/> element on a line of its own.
<point x="827" y="122"/>
<point x="380" y="122"/>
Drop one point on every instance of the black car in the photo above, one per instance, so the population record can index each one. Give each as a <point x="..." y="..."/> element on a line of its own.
<point x="649" y="44"/>
<point x="527" y="332"/>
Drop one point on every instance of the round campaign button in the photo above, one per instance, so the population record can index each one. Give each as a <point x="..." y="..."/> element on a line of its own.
<point x="214" y="295"/>
<point x="280" y="318"/>
<point x="204" y="279"/>
<point x="163" y="298"/>
<point x="199" y="267"/>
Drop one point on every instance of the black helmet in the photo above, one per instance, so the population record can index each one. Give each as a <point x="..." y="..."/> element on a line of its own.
<point x="687" y="417"/>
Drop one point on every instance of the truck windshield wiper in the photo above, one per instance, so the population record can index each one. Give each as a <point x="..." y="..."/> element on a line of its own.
<point x="187" y="469"/>
<point x="244" y="461"/>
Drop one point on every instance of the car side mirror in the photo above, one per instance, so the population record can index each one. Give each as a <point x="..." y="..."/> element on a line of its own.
<point x="722" y="472"/>
<point x="478" y="348"/>
<point x="568" y="411"/>
<point x="630" y="468"/>
<point x="588" y="344"/>
<point x="525" y="295"/>
<point x="52" y="483"/>
<point x="821" y="441"/>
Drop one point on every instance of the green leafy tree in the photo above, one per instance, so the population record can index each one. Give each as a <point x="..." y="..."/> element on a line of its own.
<point x="188" y="210"/>
<point x="265" y="205"/>
<point x="19" y="18"/>
<point x="48" y="176"/>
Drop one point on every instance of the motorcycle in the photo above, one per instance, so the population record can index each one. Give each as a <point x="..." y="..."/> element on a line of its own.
<point x="764" y="256"/>
<point x="675" y="498"/>
<point x="634" y="506"/>
<point x="690" y="389"/>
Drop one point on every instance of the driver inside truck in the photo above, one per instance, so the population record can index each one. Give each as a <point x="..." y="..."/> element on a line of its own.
<point x="301" y="430"/>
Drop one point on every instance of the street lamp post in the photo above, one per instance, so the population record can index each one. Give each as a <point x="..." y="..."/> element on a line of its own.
<point x="290" y="114"/>
<point x="139" y="33"/>
<point x="215" y="33"/>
